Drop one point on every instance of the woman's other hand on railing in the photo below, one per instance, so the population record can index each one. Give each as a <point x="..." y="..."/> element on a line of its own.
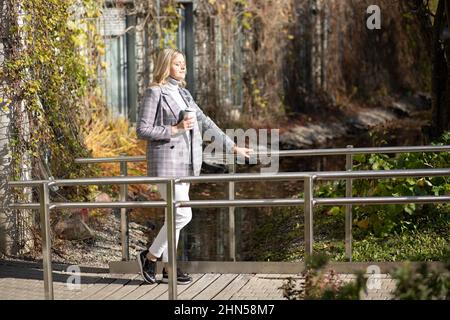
<point x="242" y="151"/>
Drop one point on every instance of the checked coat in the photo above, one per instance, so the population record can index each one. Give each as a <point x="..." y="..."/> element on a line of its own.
<point x="170" y="155"/>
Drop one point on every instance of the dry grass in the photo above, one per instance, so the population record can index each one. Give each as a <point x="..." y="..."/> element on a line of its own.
<point x="111" y="138"/>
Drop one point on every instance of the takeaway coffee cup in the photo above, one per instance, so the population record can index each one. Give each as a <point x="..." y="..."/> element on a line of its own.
<point x="189" y="114"/>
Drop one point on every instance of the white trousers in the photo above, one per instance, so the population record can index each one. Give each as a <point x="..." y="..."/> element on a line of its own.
<point x="182" y="218"/>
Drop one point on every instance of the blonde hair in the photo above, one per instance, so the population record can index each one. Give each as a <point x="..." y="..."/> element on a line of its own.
<point x="162" y="67"/>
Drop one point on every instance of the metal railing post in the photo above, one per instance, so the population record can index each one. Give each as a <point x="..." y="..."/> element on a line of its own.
<point x="348" y="208"/>
<point x="44" y="199"/>
<point x="309" y="206"/>
<point x="231" y="217"/>
<point x="171" y="239"/>
<point x="124" y="232"/>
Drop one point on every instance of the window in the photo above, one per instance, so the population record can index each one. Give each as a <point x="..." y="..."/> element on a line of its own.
<point x="119" y="82"/>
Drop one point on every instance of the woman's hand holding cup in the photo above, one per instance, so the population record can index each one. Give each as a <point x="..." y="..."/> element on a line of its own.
<point x="186" y="124"/>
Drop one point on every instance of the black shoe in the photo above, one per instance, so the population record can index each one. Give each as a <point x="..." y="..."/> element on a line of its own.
<point x="147" y="267"/>
<point x="182" y="278"/>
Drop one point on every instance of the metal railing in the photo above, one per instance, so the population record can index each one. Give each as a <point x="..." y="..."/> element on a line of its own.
<point x="45" y="205"/>
<point x="348" y="152"/>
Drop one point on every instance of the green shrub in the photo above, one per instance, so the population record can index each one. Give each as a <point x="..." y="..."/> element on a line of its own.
<point x="383" y="220"/>
<point x="421" y="284"/>
<point x="320" y="284"/>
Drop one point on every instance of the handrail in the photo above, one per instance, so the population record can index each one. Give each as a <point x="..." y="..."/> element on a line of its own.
<point x="108" y="181"/>
<point x="325" y="175"/>
<point x="309" y="202"/>
<point x="319" y="201"/>
<point x="321" y="175"/>
<point x="229" y="160"/>
<point x="45" y="205"/>
<point x="292" y="153"/>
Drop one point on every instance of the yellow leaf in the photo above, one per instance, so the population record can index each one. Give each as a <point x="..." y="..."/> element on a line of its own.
<point x="363" y="224"/>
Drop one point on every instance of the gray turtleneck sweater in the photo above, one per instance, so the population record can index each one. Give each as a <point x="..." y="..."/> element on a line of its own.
<point x="174" y="91"/>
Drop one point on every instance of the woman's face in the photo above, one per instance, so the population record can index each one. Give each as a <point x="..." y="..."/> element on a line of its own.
<point x="178" y="68"/>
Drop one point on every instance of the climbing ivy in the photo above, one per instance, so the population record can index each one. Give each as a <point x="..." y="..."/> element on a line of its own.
<point x="50" y="70"/>
<point x="169" y="25"/>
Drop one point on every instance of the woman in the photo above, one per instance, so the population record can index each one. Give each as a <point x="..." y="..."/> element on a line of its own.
<point x="174" y="147"/>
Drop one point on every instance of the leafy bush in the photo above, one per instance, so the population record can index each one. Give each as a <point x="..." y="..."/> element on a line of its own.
<point x="382" y="233"/>
<point x="411" y="284"/>
<point x="423" y="283"/>
<point x="383" y="220"/>
<point x="322" y="285"/>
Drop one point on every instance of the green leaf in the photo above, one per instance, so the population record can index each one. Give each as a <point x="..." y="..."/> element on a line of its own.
<point x="410" y="208"/>
<point x="334" y="211"/>
<point x="359" y="158"/>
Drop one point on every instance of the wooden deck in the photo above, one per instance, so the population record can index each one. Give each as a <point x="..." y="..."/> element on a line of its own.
<point x="24" y="281"/>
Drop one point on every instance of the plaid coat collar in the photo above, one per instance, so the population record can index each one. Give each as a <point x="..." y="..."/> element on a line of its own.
<point x="171" y="102"/>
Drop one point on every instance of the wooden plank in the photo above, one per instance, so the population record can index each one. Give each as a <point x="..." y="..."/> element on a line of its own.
<point x="260" y="287"/>
<point x="181" y="288"/>
<point x="87" y="281"/>
<point x="271" y="286"/>
<point x="215" y="287"/>
<point x="138" y="292"/>
<point x="35" y="283"/>
<point x="233" y="287"/>
<point x="279" y="276"/>
<point x="131" y="285"/>
<point x="198" y="287"/>
<point x="153" y="294"/>
<point x="161" y="291"/>
<point x="97" y="286"/>
<point x="21" y="289"/>
<point x="248" y="290"/>
<point x="63" y="292"/>
<point x="119" y="282"/>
